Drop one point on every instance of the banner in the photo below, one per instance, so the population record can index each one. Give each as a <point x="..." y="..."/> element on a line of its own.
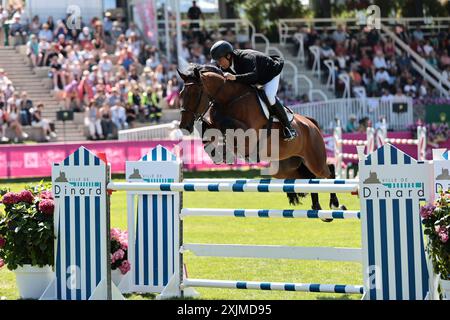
<point x="146" y="19"/>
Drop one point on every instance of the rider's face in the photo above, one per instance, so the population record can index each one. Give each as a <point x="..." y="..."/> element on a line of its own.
<point x="224" y="63"/>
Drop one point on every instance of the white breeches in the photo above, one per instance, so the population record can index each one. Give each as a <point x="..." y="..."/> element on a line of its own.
<point x="271" y="89"/>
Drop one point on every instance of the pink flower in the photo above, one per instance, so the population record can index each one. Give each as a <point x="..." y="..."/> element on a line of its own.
<point x="47" y="206"/>
<point x="26" y="196"/>
<point x="119" y="254"/>
<point x="46" y="195"/>
<point x="113" y="259"/>
<point x="125" y="267"/>
<point x="427" y="211"/>
<point x="124" y="246"/>
<point x="2" y="263"/>
<point x="10" y="198"/>
<point x="442" y="232"/>
<point x="443" y="236"/>
<point x="2" y="242"/>
<point x="115" y="233"/>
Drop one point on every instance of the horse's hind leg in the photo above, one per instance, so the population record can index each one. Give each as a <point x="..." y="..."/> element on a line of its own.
<point x="334" y="201"/>
<point x="288" y="169"/>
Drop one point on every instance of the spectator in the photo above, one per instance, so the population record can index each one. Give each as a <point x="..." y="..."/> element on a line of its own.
<point x="39" y="121"/>
<point x="418" y="34"/>
<point x="50" y="23"/>
<point x="45" y="33"/>
<point x="351" y="124"/>
<point x="17" y="31"/>
<point x="92" y="121"/>
<point x="35" y="26"/>
<point x="106" y="66"/>
<point x="106" y="121"/>
<point x="194" y="13"/>
<point x="57" y="74"/>
<point x="410" y="89"/>
<point x="3" y="18"/>
<point x="379" y="61"/>
<point x="13" y="116"/>
<point x="386" y="96"/>
<point x="382" y="76"/>
<point x="340" y="35"/>
<point x="85" y="37"/>
<point x="33" y="50"/>
<point x="118" y="116"/>
<point x="26" y="108"/>
<point x="150" y="100"/>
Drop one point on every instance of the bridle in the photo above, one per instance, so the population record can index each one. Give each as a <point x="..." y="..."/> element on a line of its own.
<point x="197" y="115"/>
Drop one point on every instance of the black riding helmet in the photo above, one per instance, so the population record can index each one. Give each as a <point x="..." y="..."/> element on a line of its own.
<point x="221" y="49"/>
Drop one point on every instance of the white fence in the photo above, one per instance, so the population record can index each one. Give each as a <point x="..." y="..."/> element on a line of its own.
<point x="165" y="131"/>
<point x="326" y="112"/>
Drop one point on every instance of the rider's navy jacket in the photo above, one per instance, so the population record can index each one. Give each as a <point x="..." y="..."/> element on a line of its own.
<point x="253" y="67"/>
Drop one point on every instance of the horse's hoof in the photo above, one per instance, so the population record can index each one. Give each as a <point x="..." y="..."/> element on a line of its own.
<point x="342" y="207"/>
<point x="327" y="219"/>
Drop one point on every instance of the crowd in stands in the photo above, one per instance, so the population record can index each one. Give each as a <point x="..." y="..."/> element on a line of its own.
<point x="103" y="69"/>
<point x="17" y="111"/>
<point x="372" y="63"/>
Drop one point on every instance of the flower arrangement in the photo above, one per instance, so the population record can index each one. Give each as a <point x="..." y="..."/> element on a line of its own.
<point x="431" y="101"/>
<point x="26" y="227"/>
<point x="436" y="221"/>
<point x="119" y="251"/>
<point x="436" y="132"/>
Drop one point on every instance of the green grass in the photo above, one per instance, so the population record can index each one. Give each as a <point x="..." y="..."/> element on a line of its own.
<point x="223" y="230"/>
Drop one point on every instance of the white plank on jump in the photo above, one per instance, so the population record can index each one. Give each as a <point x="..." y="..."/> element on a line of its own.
<point x="275" y="252"/>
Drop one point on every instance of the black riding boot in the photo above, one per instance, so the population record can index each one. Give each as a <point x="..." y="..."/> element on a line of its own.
<point x="279" y="111"/>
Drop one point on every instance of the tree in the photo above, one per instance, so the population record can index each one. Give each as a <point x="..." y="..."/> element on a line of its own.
<point x="264" y="14"/>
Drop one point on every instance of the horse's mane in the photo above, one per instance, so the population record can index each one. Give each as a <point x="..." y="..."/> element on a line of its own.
<point x="195" y="70"/>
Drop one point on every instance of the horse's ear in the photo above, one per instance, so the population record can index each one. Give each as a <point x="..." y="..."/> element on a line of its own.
<point x="197" y="73"/>
<point x="182" y="75"/>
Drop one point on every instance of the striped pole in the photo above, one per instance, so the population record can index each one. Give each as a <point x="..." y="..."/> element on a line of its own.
<point x="280" y="286"/>
<point x="275" y="181"/>
<point x="263" y="213"/>
<point x="233" y="187"/>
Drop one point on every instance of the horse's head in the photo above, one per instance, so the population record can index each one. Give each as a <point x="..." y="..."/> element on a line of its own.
<point x="194" y="96"/>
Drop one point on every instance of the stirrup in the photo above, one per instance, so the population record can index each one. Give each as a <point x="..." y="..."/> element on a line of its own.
<point x="289" y="134"/>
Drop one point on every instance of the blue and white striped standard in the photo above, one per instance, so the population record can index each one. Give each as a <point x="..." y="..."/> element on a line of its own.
<point x="153" y="225"/>
<point x="275" y="181"/>
<point x="154" y="254"/>
<point x="280" y="286"/>
<point x="232" y="187"/>
<point x="272" y="213"/>
<point x="394" y="260"/>
<point x="80" y="227"/>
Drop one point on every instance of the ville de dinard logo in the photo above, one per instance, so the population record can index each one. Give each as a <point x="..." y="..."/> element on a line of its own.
<point x="63" y="186"/>
<point x="374" y="186"/>
<point x="137" y="176"/>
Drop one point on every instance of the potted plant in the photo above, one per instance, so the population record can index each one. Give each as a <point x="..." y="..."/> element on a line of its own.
<point x="119" y="255"/>
<point x="27" y="238"/>
<point x="436" y="221"/>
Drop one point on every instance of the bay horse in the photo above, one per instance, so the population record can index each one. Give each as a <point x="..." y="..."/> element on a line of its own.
<point x="230" y="104"/>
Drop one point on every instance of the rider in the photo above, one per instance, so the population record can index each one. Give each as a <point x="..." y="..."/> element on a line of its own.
<point x="254" y="68"/>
